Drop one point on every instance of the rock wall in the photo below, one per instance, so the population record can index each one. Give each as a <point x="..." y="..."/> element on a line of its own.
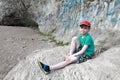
<point x="104" y="67"/>
<point x="102" y="14"/>
<point x="61" y="17"/>
<point x="14" y="13"/>
<point x="29" y="13"/>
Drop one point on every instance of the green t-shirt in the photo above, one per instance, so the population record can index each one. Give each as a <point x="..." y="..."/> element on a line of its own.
<point x="87" y="40"/>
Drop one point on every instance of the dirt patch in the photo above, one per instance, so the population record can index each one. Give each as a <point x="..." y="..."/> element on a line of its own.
<point x="16" y="43"/>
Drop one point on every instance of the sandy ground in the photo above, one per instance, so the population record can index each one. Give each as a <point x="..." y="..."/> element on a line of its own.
<point x="16" y="43"/>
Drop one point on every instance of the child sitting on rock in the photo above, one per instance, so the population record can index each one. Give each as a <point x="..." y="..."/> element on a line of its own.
<point x="81" y="49"/>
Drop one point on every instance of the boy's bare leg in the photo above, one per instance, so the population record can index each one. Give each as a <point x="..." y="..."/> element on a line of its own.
<point x="64" y="63"/>
<point x="68" y="58"/>
<point x="74" y="44"/>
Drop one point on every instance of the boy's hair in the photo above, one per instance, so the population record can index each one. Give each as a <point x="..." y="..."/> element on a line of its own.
<point x="87" y="23"/>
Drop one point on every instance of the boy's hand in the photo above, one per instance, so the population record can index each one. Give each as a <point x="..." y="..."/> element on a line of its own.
<point x="65" y="57"/>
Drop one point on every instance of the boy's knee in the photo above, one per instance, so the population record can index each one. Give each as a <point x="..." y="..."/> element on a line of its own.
<point x="74" y="38"/>
<point x="71" y="59"/>
<point x="68" y="61"/>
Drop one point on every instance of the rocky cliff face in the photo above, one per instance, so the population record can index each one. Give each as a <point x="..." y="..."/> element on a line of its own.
<point x="60" y="16"/>
<point x="102" y="14"/>
<point x="29" y="13"/>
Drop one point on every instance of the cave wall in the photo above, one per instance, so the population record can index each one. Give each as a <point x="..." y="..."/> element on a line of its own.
<point x="29" y="13"/>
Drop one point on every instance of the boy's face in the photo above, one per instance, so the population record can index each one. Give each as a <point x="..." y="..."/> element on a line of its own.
<point x="84" y="29"/>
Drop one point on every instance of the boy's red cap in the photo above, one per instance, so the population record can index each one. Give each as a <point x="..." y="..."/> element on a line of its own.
<point x="85" y="23"/>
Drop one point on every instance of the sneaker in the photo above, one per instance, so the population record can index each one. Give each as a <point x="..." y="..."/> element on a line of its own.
<point x="44" y="68"/>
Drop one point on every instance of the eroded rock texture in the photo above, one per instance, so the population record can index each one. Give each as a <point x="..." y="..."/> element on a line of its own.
<point x="104" y="67"/>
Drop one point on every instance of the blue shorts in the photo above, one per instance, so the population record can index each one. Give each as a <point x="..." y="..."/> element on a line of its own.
<point x="83" y="57"/>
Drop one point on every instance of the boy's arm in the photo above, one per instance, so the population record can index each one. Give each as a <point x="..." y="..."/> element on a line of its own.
<point x="81" y="51"/>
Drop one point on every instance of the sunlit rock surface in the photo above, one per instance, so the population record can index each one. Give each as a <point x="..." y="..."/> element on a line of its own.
<point x="104" y="67"/>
